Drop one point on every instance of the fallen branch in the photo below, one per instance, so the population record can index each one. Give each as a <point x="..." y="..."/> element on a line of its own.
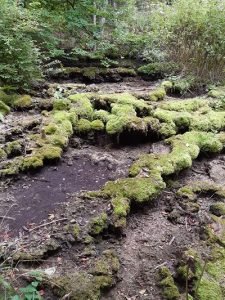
<point x="46" y="224"/>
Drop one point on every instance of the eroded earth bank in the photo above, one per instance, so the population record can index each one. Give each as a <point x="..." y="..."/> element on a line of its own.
<point x="113" y="191"/>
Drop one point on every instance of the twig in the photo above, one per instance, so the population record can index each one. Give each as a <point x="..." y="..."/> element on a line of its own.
<point x="46" y="224"/>
<point x="161" y="265"/>
<point x="172" y="240"/>
<point x="8" y="218"/>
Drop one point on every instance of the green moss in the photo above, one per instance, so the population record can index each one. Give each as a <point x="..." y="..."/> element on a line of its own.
<point x="83" y="126"/>
<point x="116" y="124"/>
<point x="157" y="70"/>
<point x="166" y="282"/>
<point x="7" y="99"/>
<point x="90" y="72"/>
<point x="88" y="285"/>
<point x="102" y="115"/>
<point x="217" y="92"/>
<point x="121" y="207"/>
<point x="167" y="85"/>
<point x="82" y="105"/>
<point x="3" y="154"/>
<point x="22" y="102"/>
<point x="51" y="128"/>
<point x="58" y="139"/>
<point x="188" y="105"/>
<point x="123" y="99"/>
<point x="61" y="104"/>
<point x="191" y="191"/>
<point x="30" y="163"/>
<point x="157" y="95"/>
<point x="98" y="224"/>
<point x="123" y="109"/>
<point x="49" y="152"/>
<point x="4" y="109"/>
<point x="97" y="125"/>
<point x="185" y="148"/>
<point x="134" y="189"/>
<point x="218" y="209"/>
<point x="209" y="289"/>
<point x="76" y="231"/>
<point x="126" y="72"/>
<point x="14" y="148"/>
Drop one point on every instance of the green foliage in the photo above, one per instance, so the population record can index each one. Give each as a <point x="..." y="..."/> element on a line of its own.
<point x="192" y="34"/>
<point x="19" y="56"/>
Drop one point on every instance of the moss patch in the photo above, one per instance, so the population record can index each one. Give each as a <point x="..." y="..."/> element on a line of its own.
<point x="22" y="102"/>
<point x="89" y="284"/>
<point x="166" y="283"/>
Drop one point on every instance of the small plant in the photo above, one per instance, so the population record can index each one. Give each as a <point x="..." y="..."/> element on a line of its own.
<point x="29" y="292"/>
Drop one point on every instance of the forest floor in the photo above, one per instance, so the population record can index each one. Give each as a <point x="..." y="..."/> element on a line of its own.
<point x="37" y="208"/>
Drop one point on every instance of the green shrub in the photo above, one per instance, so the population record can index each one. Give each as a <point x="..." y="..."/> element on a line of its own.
<point x="19" y="56"/>
<point x="192" y="34"/>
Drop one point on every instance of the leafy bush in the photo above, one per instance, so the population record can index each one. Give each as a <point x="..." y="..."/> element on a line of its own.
<point x="192" y="34"/>
<point x="19" y="56"/>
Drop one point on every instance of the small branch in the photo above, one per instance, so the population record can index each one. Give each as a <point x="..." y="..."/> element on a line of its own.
<point x="46" y="224"/>
<point x="8" y="218"/>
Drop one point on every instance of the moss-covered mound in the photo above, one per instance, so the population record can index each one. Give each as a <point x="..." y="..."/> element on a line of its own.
<point x="89" y="284"/>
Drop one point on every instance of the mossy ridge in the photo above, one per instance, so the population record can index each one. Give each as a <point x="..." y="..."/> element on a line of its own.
<point x="124" y="191"/>
<point x="185" y="148"/>
<point x="191" y="114"/>
<point x="145" y="187"/>
<point x="191" y="191"/>
<point x="89" y="284"/>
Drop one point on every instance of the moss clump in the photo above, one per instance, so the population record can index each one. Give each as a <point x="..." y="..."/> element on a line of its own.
<point x="83" y="126"/>
<point x="3" y="154"/>
<point x="82" y="105"/>
<point x="4" y="109"/>
<point x="14" y="148"/>
<point x="167" y="85"/>
<point x="30" y="163"/>
<point x="88" y="285"/>
<point x="218" y="209"/>
<point x="129" y="72"/>
<point x="191" y="191"/>
<point x="185" y="148"/>
<point x="134" y="189"/>
<point x="121" y="207"/>
<point x="157" y="95"/>
<point x="102" y="115"/>
<point x="209" y="289"/>
<point x="123" y="109"/>
<point x="51" y="128"/>
<point x="217" y="92"/>
<point x="188" y="105"/>
<point x="157" y="70"/>
<point x="49" y="152"/>
<point x="166" y="282"/>
<point x="7" y="99"/>
<point x="61" y="104"/>
<point x="90" y="73"/>
<point x="97" y="125"/>
<point x="22" y="102"/>
<point x="98" y="224"/>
